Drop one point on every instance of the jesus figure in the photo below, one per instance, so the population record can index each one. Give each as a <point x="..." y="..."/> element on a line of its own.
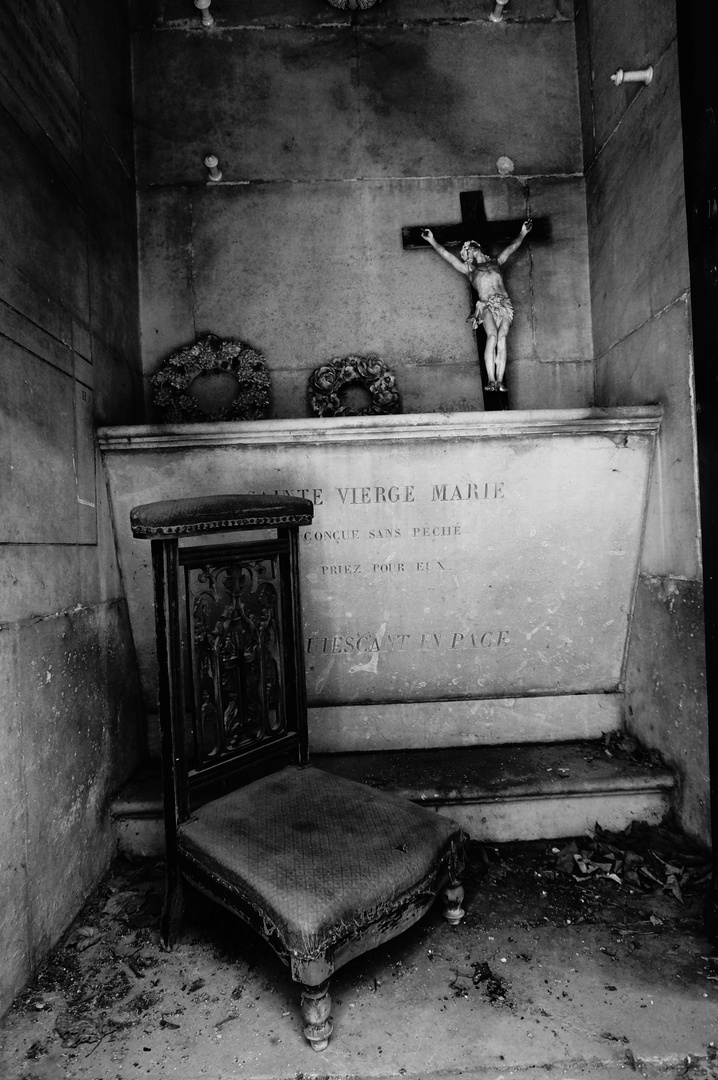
<point x="493" y="308"/>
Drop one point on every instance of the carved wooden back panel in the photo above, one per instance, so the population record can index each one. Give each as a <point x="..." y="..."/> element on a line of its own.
<point x="232" y="689"/>
<point x="235" y="634"/>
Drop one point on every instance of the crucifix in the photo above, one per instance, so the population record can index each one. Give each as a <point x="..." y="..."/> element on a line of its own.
<point x="475" y="226"/>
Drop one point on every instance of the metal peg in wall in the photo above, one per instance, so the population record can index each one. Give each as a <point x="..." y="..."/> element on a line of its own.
<point x="215" y="173"/>
<point x="622" y="76"/>
<point x="207" y="17"/>
<point x="498" y="13"/>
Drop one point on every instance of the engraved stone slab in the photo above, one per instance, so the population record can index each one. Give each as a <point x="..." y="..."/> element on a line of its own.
<point x="453" y="558"/>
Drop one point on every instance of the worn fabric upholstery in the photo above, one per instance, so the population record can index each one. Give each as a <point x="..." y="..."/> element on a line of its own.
<point x="214" y="513"/>
<point x="316" y="853"/>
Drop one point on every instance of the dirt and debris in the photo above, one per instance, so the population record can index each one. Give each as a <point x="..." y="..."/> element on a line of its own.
<point x="621" y="745"/>
<point x="539" y="916"/>
<point x="644" y="857"/>
<point x="596" y="877"/>
<point x="90" y="977"/>
<point x="495" y="988"/>
<point x="700" y="1067"/>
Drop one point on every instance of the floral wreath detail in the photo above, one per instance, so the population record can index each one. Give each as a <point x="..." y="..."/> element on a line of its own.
<point x="326" y="383"/>
<point x="212" y="354"/>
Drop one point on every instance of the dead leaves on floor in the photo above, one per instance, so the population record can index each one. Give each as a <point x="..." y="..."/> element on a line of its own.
<point x="101" y="979"/>
<point x="621" y="745"/>
<point x="93" y="977"/>
<point x="644" y="858"/>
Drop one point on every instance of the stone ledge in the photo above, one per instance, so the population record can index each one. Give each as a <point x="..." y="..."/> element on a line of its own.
<point x="476" y="785"/>
<point x="497" y="773"/>
<point x="623" y="420"/>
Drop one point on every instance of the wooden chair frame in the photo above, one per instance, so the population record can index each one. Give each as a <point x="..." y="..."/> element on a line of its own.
<point x="185" y="787"/>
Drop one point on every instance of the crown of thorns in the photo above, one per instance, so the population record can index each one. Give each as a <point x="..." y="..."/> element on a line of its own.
<point x="467" y="247"/>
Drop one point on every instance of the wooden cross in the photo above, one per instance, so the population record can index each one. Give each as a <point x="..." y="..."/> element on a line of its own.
<point x="474" y="225"/>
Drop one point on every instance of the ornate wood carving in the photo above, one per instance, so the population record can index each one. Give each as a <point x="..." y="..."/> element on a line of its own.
<point x="235" y="641"/>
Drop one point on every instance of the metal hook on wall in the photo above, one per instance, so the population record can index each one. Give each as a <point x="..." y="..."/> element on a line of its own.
<point x="215" y="173"/>
<point x="498" y="13"/>
<point x="621" y="76"/>
<point x="207" y="17"/>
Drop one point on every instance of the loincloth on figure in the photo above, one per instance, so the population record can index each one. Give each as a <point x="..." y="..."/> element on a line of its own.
<point x="498" y="305"/>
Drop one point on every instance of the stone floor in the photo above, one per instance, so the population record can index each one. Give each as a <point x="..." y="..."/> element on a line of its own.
<point x="576" y="960"/>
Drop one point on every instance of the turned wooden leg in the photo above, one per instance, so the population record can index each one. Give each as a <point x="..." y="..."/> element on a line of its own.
<point x="172" y="911"/>
<point x="316" y="1006"/>
<point x="452" y="896"/>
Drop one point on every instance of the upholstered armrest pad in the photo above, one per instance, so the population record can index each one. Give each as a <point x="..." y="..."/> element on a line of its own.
<point x="186" y="517"/>
<point x="318" y="855"/>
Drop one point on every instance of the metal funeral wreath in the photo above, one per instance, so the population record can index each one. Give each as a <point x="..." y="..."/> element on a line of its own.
<point x="327" y="382"/>
<point x="212" y="355"/>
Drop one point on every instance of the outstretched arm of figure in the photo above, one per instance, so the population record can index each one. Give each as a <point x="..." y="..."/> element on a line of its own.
<point x="508" y="252"/>
<point x="457" y="264"/>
